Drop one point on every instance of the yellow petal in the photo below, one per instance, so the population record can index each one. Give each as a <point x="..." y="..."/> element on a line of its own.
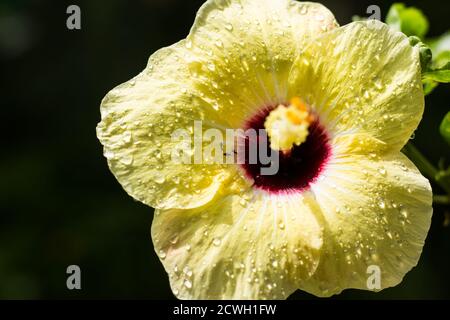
<point x="375" y="212"/>
<point x="139" y="118"/>
<point x="363" y="77"/>
<point x="244" y="50"/>
<point x="252" y="246"/>
<point x="236" y="52"/>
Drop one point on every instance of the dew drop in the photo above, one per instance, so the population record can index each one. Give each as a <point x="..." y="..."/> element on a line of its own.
<point x="160" y="179"/>
<point x="211" y="67"/>
<point x="366" y="94"/>
<point x="108" y="154"/>
<point x="404" y="212"/>
<point x="217" y="242"/>
<point x="378" y="84"/>
<point x="127" y="160"/>
<point x="187" y="271"/>
<point x="187" y="284"/>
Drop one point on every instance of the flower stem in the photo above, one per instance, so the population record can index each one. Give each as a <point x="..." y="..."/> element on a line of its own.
<point x="440" y="177"/>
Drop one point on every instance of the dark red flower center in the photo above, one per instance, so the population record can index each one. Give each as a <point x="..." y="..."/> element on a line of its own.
<point x="298" y="168"/>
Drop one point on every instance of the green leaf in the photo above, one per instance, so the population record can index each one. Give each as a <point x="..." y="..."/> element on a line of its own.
<point x="440" y="44"/>
<point x="441" y="50"/>
<point x="445" y="127"/>
<point x="439" y="75"/>
<point x="429" y="86"/>
<point x="441" y="60"/>
<point x="358" y="18"/>
<point x="437" y="70"/>
<point x="409" y="20"/>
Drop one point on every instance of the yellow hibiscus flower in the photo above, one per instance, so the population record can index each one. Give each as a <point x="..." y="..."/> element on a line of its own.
<point x="338" y="104"/>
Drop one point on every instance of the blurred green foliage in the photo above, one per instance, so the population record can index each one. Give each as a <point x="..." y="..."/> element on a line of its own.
<point x="409" y="20"/>
<point x="445" y="127"/>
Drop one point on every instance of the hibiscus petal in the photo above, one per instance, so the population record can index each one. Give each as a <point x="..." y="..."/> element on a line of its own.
<point x="252" y="246"/>
<point x="198" y="79"/>
<point x="246" y="48"/>
<point x="363" y="77"/>
<point x="139" y="118"/>
<point x="374" y="212"/>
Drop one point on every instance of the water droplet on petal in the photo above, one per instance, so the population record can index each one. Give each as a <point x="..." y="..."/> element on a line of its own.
<point x="217" y="242"/>
<point x="404" y="212"/>
<point x="211" y="67"/>
<point x="160" y="179"/>
<point x="108" y="154"/>
<point x="127" y="160"/>
<point x="187" y="284"/>
<point x="187" y="271"/>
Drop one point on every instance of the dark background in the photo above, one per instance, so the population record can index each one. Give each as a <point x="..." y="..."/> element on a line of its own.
<point x="60" y="205"/>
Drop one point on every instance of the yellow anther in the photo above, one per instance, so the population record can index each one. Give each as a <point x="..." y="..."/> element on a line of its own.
<point x="288" y="125"/>
<point x="299" y="104"/>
